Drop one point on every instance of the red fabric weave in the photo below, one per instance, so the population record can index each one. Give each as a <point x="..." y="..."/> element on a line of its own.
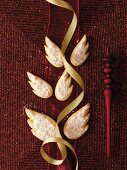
<point x="24" y="25"/>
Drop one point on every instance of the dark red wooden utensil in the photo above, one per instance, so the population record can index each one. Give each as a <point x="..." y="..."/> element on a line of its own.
<point x="107" y="95"/>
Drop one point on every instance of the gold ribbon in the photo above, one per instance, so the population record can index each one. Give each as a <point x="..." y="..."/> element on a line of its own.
<point x="72" y="26"/>
<point x="60" y="141"/>
<point x="74" y="74"/>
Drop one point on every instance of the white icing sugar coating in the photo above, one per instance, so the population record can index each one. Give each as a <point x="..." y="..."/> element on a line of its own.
<point x="63" y="88"/>
<point x="40" y="87"/>
<point x="54" y="53"/>
<point x="80" y="54"/>
<point x="76" y="124"/>
<point x="43" y="127"/>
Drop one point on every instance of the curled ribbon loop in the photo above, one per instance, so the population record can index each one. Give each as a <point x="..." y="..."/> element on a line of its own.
<point x="59" y="141"/>
<point x="74" y="74"/>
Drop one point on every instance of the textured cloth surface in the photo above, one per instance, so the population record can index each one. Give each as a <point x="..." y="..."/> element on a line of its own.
<point x="24" y="25"/>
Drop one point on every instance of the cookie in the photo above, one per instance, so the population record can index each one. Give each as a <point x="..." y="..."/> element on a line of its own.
<point x="54" y="53"/>
<point x="40" y="87"/>
<point x="80" y="54"/>
<point x="63" y="88"/>
<point x="43" y="127"/>
<point x="76" y="125"/>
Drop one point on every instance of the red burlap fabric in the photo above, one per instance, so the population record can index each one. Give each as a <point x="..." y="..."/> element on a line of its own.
<point x="24" y="25"/>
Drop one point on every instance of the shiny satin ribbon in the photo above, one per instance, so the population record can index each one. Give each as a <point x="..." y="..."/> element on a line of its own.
<point x="74" y="74"/>
<point x="60" y="141"/>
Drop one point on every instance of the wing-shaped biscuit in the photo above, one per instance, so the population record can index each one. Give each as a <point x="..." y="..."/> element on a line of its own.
<point x="54" y="53"/>
<point x="40" y="86"/>
<point x="63" y="88"/>
<point x="42" y="126"/>
<point x="76" y="124"/>
<point x="80" y="54"/>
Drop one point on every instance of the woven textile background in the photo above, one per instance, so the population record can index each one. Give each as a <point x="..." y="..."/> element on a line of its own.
<point x="23" y="27"/>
